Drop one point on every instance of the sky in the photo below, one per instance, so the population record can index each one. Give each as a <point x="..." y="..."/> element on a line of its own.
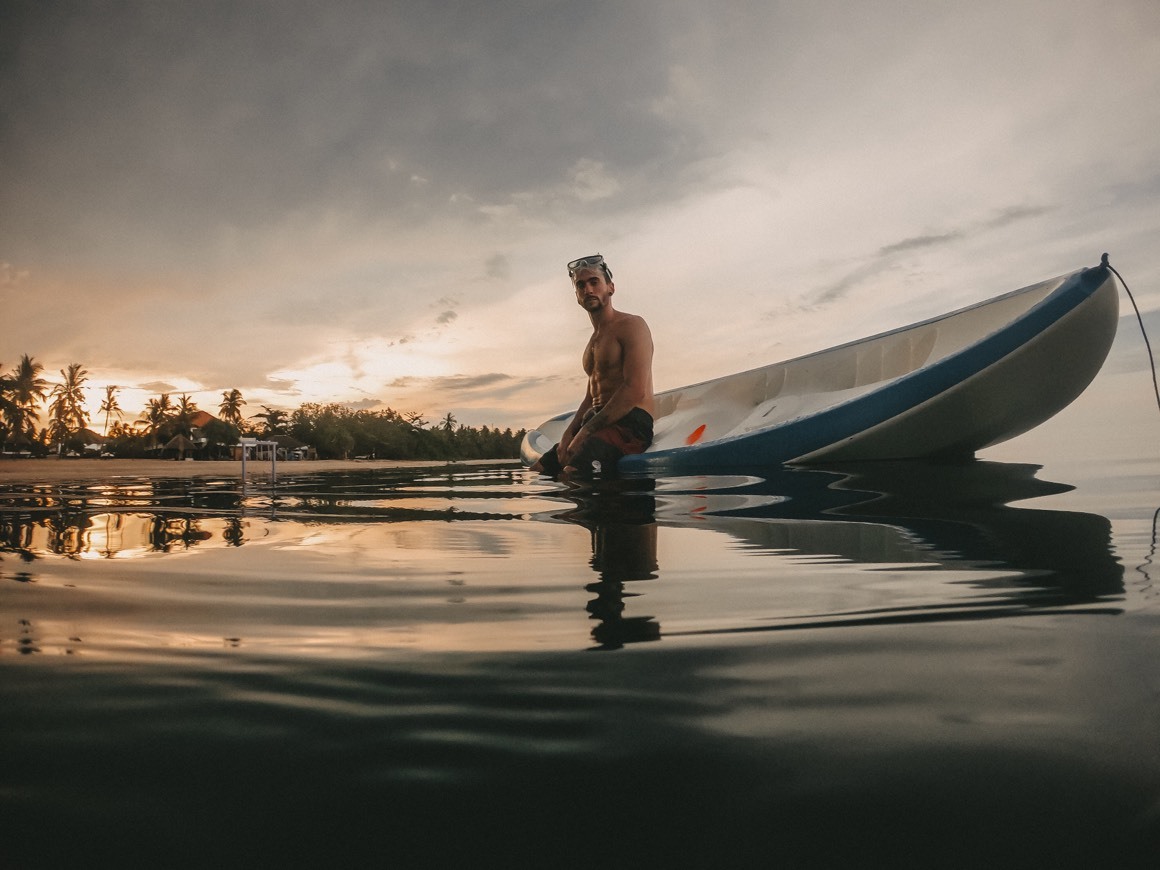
<point x="372" y="203"/>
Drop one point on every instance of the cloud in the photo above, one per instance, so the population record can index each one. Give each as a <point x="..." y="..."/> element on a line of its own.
<point x="498" y="267"/>
<point x="841" y="288"/>
<point x="157" y="387"/>
<point x="919" y="242"/>
<point x="591" y="181"/>
<point x="469" y="383"/>
<point x="1015" y="214"/>
<point x="11" y="277"/>
<point x="264" y="196"/>
<point x="363" y="404"/>
<point x="460" y="387"/>
<point x="886" y="258"/>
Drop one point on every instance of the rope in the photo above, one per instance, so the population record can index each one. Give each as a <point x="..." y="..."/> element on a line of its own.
<point x="1155" y="387"/>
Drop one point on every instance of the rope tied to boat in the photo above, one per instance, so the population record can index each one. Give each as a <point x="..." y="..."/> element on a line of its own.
<point x="1151" y="360"/>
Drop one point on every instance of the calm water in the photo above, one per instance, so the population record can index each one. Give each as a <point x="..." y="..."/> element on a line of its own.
<point x="912" y="664"/>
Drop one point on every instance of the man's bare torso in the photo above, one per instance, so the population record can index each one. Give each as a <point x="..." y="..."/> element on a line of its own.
<point x="603" y="359"/>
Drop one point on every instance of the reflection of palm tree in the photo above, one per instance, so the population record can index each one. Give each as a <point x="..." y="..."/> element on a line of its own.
<point x="230" y="410"/>
<point x="234" y="532"/>
<point x="113" y="523"/>
<point x="67" y="411"/>
<point x="110" y="406"/>
<point x="158" y="534"/>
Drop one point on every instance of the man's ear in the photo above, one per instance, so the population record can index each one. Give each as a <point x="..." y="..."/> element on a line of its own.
<point x="611" y="288"/>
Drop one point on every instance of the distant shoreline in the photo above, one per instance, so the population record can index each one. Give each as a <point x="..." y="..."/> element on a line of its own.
<point x="53" y="470"/>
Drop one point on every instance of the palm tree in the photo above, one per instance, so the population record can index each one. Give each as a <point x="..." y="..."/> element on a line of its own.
<point x="230" y="410"/>
<point x="185" y="412"/>
<point x="8" y="409"/>
<point x="27" y="391"/>
<point x="275" y="420"/>
<point x="67" y="412"/>
<point x="110" y="406"/>
<point x="157" y="414"/>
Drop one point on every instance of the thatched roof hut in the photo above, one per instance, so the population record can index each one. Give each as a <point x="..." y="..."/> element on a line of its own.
<point x="181" y="445"/>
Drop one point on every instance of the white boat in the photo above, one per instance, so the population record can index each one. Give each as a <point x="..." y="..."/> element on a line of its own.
<point x="943" y="387"/>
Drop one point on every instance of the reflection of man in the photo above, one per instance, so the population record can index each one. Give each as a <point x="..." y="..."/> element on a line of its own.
<point x="621" y="553"/>
<point x="623" y="526"/>
<point x="616" y="416"/>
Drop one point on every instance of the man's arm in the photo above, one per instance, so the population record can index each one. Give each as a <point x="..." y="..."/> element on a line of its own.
<point x="574" y="426"/>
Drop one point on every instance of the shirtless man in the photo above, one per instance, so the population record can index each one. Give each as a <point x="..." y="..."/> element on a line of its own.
<point x="616" y="416"/>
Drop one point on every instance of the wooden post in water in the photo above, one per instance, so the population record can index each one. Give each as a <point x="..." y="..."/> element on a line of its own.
<point x="247" y="443"/>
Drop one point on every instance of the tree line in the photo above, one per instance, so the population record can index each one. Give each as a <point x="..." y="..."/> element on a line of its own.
<point x="330" y="431"/>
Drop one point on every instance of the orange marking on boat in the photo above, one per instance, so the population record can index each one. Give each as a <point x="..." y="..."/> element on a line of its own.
<point x="696" y="434"/>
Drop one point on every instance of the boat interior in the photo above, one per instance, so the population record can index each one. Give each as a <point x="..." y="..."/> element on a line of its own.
<point x="779" y="393"/>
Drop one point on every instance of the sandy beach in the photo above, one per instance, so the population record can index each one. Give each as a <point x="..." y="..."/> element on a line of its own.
<point x="53" y="470"/>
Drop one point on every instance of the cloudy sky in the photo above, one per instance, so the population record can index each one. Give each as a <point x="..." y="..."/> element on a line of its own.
<point x="371" y="203"/>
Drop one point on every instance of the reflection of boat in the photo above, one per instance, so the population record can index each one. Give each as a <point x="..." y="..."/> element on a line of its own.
<point x="958" y="515"/>
<point x="943" y="387"/>
<point x="946" y="531"/>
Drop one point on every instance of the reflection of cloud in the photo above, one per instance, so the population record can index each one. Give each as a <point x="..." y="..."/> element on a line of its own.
<point x="446" y="317"/>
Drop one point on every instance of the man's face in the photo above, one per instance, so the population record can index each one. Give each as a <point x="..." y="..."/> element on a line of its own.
<point x="592" y="290"/>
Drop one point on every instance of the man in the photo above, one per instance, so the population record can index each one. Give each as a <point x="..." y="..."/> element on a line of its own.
<point x="616" y="416"/>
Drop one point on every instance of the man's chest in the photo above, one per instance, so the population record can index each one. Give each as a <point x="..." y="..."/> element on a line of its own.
<point x="602" y="353"/>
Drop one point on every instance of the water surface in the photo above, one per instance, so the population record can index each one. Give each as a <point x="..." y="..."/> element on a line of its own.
<point x="925" y="664"/>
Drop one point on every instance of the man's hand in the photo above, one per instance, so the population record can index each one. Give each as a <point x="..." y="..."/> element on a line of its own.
<point x="569" y="450"/>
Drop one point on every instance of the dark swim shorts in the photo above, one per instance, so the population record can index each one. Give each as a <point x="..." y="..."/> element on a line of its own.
<point x="632" y="433"/>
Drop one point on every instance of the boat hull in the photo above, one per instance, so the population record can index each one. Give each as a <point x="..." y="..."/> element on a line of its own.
<point x="948" y="386"/>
